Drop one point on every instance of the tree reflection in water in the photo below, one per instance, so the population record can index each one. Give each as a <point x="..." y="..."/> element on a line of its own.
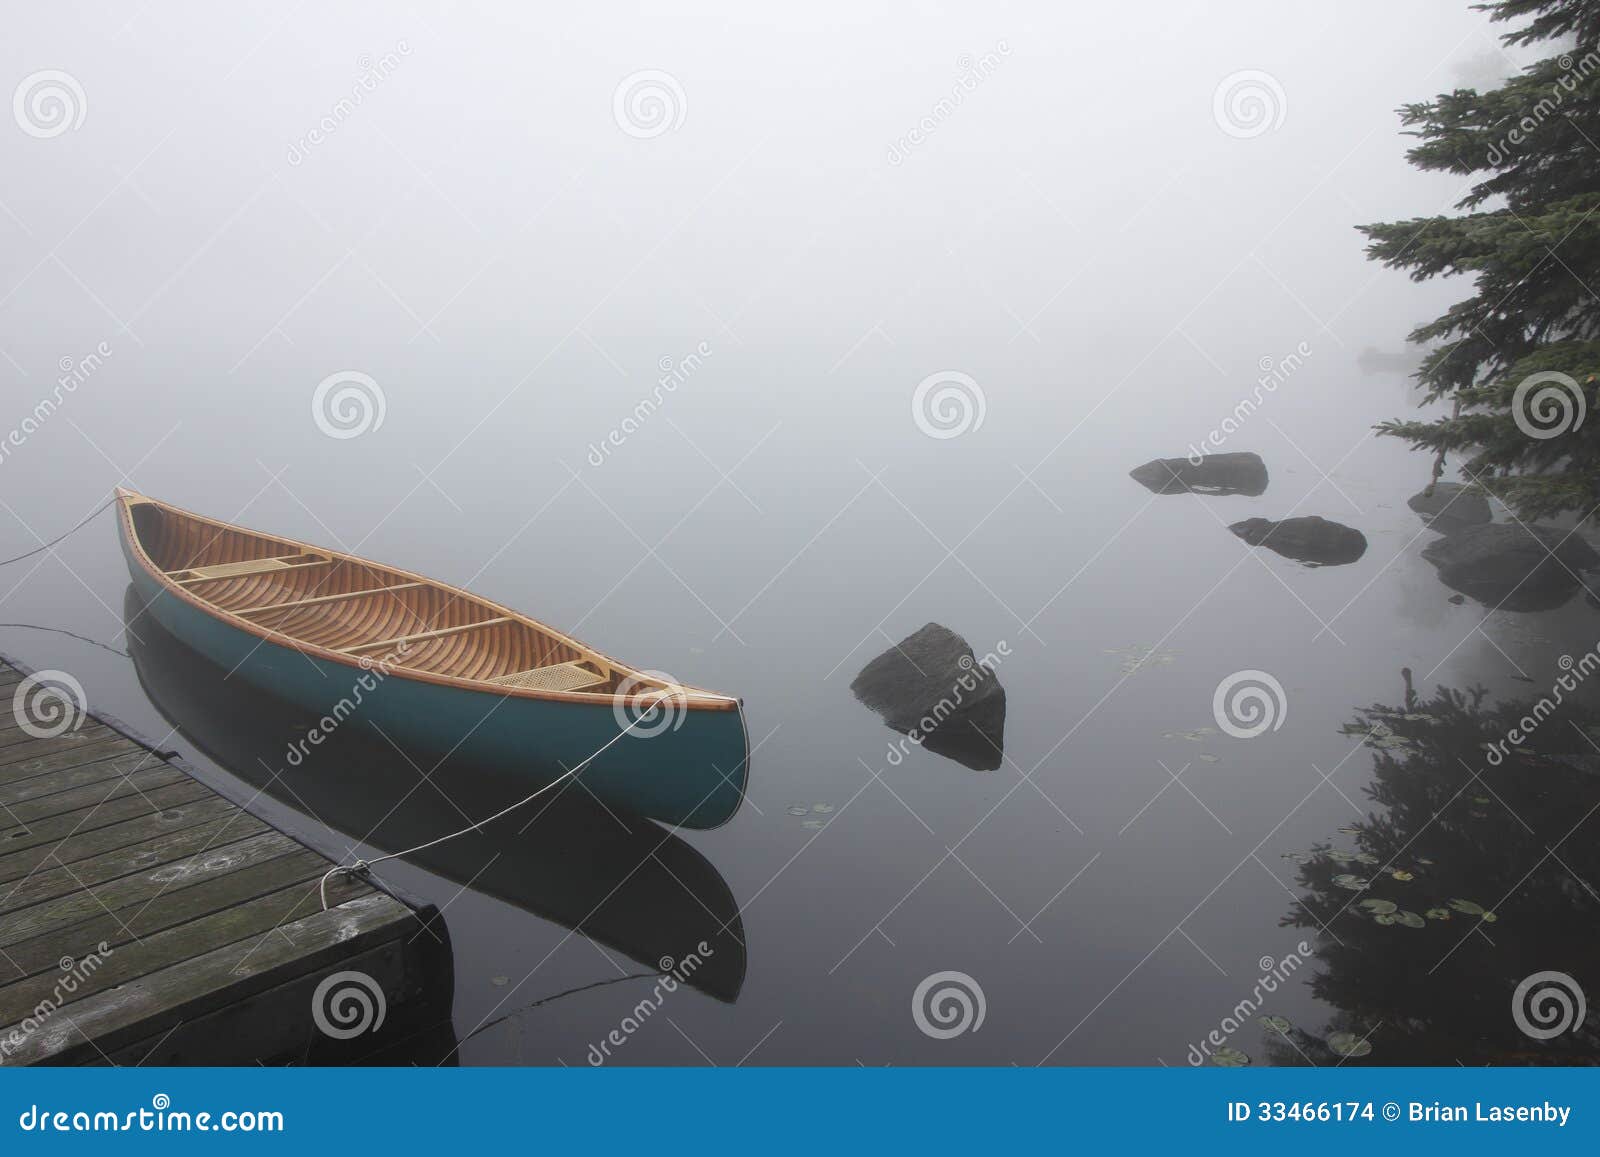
<point x="1473" y="875"/>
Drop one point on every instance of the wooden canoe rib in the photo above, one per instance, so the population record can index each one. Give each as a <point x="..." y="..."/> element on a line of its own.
<point x="349" y="610"/>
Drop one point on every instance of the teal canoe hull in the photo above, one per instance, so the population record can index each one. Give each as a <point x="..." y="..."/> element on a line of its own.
<point x="690" y="771"/>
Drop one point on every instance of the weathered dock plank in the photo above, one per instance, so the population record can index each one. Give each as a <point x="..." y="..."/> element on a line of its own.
<point x="142" y="887"/>
<point x="24" y="759"/>
<point x="45" y="882"/>
<point x="252" y="919"/>
<point x="69" y="794"/>
<point x="103" y="812"/>
<point x="298" y="871"/>
<point x="143" y="914"/>
<point x="206" y="982"/>
<point x="36" y="764"/>
<point x="95" y="836"/>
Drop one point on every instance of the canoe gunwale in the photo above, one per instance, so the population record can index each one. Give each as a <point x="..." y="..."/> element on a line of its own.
<point x="693" y="699"/>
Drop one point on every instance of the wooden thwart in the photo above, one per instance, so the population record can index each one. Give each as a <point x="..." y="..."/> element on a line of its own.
<point x="228" y="570"/>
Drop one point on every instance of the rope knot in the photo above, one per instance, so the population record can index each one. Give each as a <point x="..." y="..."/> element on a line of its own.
<point x="359" y="868"/>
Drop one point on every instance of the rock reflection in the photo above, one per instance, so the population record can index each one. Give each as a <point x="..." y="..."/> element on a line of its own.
<point x="1513" y="566"/>
<point x="933" y="689"/>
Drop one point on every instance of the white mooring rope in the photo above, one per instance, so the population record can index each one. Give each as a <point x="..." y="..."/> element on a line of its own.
<point x="360" y="867"/>
<point x="57" y="541"/>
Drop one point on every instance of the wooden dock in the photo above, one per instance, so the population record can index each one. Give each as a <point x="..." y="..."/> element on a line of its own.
<point x="145" y="918"/>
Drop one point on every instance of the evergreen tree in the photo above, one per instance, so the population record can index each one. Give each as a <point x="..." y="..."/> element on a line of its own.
<point x="1520" y="359"/>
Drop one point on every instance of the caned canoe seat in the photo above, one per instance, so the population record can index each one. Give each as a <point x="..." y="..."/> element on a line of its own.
<point x="572" y="676"/>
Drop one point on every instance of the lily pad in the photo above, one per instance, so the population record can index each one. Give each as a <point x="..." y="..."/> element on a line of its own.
<point x="1278" y="1024"/>
<point x="1354" y="883"/>
<point x="1348" y="1044"/>
<point x="1410" y="920"/>
<point x="1467" y="907"/>
<point x="1386" y="919"/>
<point x="1364" y="858"/>
<point x="1229" y="1057"/>
<point x="799" y="810"/>
<point x="822" y="808"/>
<point x="1402" y="875"/>
<point x="1210" y="758"/>
<point x="1489" y="917"/>
<point x="1438" y="913"/>
<point x="1140" y="655"/>
<point x="1380" y="907"/>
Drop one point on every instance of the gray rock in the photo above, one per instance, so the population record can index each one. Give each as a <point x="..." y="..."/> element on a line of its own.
<point x="1449" y="507"/>
<point x="1233" y="473"/>
<point x="1506" y="565"/>
<point x="1310" y="539"/>
<point x="932" y="687"/>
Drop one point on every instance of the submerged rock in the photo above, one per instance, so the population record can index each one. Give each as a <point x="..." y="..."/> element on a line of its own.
<point x="1232" y="473"/>
<point x="931" y="687"/>
<point x="1511" y="566"/>
<point x="1311" y="540"/>
<point x="1449" y="507"/>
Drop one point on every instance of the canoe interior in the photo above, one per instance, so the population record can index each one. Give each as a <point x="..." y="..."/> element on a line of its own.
<point x="364" y="610"/>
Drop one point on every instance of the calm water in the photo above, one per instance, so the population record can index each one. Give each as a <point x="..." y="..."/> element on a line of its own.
<point x="1108" y="268"/>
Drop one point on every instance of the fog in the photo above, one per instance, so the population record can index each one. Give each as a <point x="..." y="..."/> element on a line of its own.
<point x="493" y="231"/>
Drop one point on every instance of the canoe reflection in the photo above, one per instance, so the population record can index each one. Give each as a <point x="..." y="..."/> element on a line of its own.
<point x="618" y="879"/>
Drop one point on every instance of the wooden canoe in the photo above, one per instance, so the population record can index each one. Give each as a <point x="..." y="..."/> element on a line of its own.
<point x="619" y="880"/>
<point x="432" y="667"/>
